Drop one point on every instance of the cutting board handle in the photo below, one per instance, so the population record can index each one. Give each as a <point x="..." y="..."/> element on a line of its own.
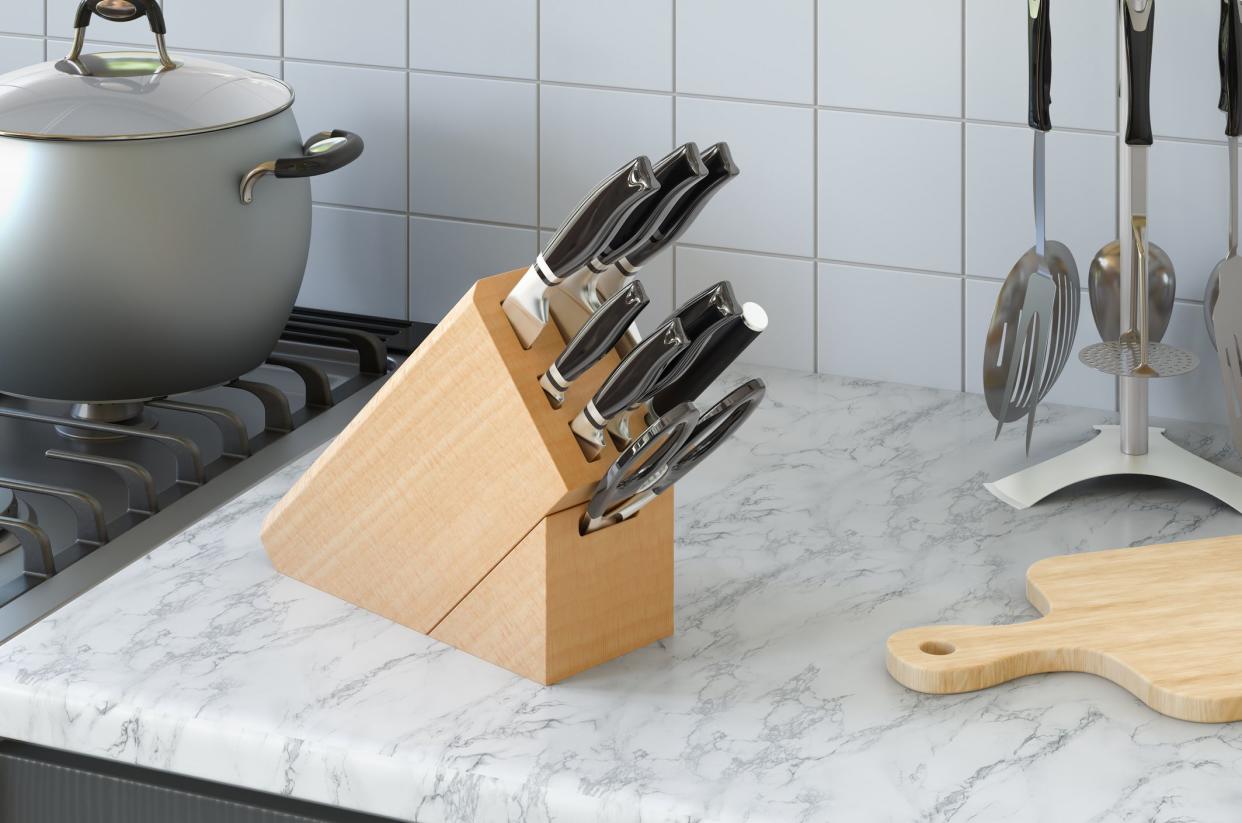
<point x="952" y="659"/>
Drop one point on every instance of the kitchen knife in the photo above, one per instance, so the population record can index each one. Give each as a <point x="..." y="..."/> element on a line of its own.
<point x="595" y="339"/>
<point x="575" y="243"/>
<point x="724" y="346"/>
<point x="677" y="173"/>
<point x="698" y="315"/>
<point x="630" y="384"/>
<point x="720" y="170"/>
<point x="648" y="468"/>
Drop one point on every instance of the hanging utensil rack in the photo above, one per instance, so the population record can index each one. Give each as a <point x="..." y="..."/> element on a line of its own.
<point x="1134" y="447"/>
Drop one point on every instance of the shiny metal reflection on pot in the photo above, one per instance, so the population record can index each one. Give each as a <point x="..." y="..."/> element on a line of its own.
<point x="144" y="256"/>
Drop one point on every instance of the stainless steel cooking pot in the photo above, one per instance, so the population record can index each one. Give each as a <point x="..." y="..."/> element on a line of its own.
<point x="141" y="255"/>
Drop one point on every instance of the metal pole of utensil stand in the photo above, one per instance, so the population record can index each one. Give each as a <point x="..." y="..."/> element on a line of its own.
<point x="1131" y="391"/>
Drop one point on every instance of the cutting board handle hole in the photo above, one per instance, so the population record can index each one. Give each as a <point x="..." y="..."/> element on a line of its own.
<point x="937" y="647"/>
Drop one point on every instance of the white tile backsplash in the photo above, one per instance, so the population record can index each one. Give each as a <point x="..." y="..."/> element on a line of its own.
<point x="1185" y="75"/>
<point x="586" y="134"/>
<point x="22" y="18"/>
<point x="891" y="325"/>
<point x="463" y="164"/>
<point x="890" y="191"/>
<point x="357" y="262"/>
<point x="785" y="288"/>
<point x="770" y="206"/>
<point x="1084" y="74"/>
<point x="1188" y="209"/>
<point x="884" y="155"/>
<point x="16" y="52"/>
<point x="903" y="56"/>
<point x="246" y="26"/>
<point x="606" y="43"/>
<point x="371" y="102"/>
<point x="1000" y="218"/>
<point x="496" y="37"/>
<point x="1199" y="395"/>
<point x="375" y="37"/>
<point x="721" y="43"/>
<point x="450" y="256"/>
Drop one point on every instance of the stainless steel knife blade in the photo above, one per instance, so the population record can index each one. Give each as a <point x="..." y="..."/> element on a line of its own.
<point x="630" y="384"/>
<point x="595" y="339"/>
<point x="575" y="243"/>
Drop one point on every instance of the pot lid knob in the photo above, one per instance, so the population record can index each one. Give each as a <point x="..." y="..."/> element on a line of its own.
<point x="119" y="11"/>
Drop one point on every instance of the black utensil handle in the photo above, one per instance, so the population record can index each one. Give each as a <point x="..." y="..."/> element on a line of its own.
<point x="677" y="172"/>
<point x="601" y="331"/>
<point x="1139" y="28"/>
<point x="1223" y="55"/>
<point x="325" y="152"/>
<point x="726" y="346"/>
<point x="1233" y="71"/>
<point x="595" y="218"/>
<point x="632" y="381"/>
<point x="1039" y="53"/>
<point x="708" y="306"/>
<point x="121" y="11"/>
<point x="720" y="170"/>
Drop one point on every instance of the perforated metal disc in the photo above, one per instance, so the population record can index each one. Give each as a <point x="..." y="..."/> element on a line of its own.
<point x="1120" y="359"/>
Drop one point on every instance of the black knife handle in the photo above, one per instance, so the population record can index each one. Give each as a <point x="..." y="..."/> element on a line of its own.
<point x="720" y="170"/>
<point x="701" y="311"/>
<point x="1233" y="71"/>
<point x="600" y="333"/>
<point x="582" y="233"/>
<point x="738" y="332"/>
<point x="1223" y="55"/>
<point x="632" y="381"/>
<point x="1139" y="27"/>
<point x="677" y="172"/>
<point x="1039" y="53"/>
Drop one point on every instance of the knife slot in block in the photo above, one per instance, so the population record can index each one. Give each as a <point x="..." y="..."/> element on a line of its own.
<point x="451" y="504"/>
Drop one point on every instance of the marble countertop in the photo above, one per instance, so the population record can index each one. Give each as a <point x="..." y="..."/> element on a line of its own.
<point x="846" y="510"/>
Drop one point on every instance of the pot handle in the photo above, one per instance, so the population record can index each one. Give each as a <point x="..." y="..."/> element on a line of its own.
<point x="322" y="153"/>
<point x="120" y="11"/>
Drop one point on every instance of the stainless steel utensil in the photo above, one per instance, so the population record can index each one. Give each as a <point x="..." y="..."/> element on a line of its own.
<point x="575" y="243"/>
<point x="1228" y="58"/>
<point x="1036" y="316"/>
<point x="1104" y="291"/>
<point x="1227" y="313"/>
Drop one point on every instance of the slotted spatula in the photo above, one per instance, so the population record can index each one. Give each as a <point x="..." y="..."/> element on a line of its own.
<point x="1036" y="317"/>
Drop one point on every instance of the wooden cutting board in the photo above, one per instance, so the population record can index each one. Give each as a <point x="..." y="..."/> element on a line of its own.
<point x="1164" y="622"/>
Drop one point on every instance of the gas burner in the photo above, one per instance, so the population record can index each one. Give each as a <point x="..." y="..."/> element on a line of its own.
<point x="132" y="415"/>
<point x="112" y="481"/>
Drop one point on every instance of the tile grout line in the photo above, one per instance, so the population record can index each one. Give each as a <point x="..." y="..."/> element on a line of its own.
<point x="409" y="168"/>
<point x="673" y="86"/>
<point x="962" y="205"/>
<point x="815" y="286"/>
<point x="538" y="126"/>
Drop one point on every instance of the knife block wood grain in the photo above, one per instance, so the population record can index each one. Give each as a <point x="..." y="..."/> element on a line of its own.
<point x="1164" y="622"/>
<point x="455" y="464"/>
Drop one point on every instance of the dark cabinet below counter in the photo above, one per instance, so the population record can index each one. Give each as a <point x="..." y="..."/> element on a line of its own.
<point x="39" y="785"/>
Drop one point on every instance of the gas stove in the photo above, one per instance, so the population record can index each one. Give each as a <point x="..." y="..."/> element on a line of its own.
<point x="87" y="489"/>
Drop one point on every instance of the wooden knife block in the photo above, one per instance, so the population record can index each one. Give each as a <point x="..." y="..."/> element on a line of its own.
<point x="451" y="503"/>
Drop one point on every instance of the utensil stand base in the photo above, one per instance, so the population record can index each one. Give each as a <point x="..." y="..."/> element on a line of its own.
<point x="1102" y="456"/>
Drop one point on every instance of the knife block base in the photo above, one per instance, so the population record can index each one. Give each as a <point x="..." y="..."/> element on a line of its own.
<point x="451" y="503"/>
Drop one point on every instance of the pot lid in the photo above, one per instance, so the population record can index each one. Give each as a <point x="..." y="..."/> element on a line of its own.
<point x="129" y="95"/>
